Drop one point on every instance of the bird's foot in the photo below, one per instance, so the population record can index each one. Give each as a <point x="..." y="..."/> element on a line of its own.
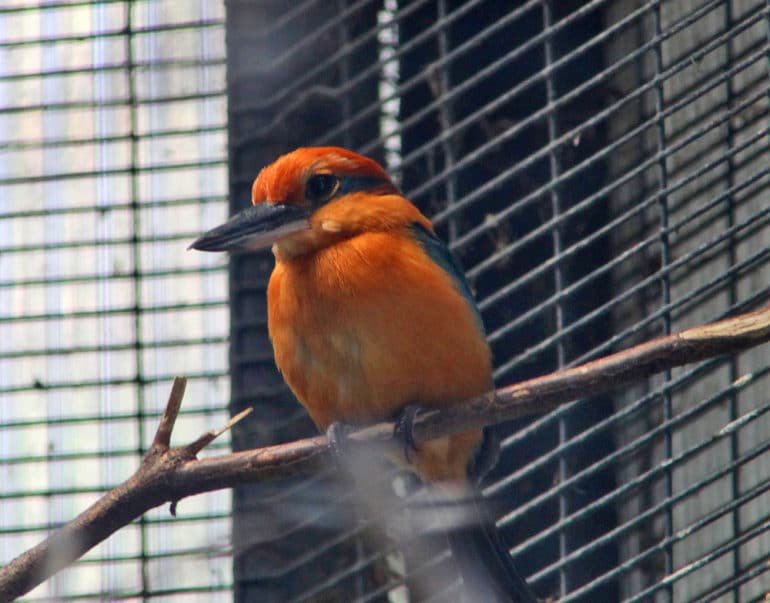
<point x="339" y="441"/>
<point x="403" y="431"/>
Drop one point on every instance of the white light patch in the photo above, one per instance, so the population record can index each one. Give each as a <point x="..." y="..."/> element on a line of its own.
<point x="390" y="74"/>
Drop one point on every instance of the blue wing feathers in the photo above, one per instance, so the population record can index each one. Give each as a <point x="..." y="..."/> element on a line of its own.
<point x="444" y="258"/>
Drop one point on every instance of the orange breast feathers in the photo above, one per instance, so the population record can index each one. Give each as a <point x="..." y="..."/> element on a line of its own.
<point x="365" y="327"/>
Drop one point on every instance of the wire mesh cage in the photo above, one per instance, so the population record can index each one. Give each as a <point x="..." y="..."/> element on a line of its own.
<point x="112" y="154"/>
<point x="600" y="169"/>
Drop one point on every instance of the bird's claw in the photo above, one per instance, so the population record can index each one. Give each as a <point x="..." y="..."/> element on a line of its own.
<point x="338" y="435"/>
<point x="404" y="430"/>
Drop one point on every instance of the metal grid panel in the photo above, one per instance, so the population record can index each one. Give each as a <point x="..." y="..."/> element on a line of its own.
<point x="600" y="168"/>
<point x="112" y="156"/>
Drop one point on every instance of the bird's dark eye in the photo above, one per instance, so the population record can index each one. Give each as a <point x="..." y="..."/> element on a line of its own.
<point x="321" y="187"/>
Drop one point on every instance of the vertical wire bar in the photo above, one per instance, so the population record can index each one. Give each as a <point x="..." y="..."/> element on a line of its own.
<point x="136" y="277"/>
<point x="110" y="575"/>
<point x="359" y="586"/>
<point x="54" y="337"/>
<point x="446" y="116"/>
<point x="556" y="246"/>
<point x="735" y="485"/>
<point x="344" y="63"/>
<point x="660" y="134"/>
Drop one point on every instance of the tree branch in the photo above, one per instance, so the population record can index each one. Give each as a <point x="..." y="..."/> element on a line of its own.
<point x="170" y="474"/>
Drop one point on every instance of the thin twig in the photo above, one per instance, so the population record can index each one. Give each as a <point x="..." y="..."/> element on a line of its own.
<point x="162" y="438"/>
<point x="205" y="439"/>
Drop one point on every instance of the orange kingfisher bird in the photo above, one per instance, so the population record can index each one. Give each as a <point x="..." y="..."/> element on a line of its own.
<point x="369" y="314"/>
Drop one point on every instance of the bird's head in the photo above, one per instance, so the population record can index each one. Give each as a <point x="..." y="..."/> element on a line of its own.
<point x="312" y="198"/>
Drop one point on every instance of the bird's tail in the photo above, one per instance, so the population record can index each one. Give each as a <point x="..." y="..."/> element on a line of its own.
<point x="484" y="561"/>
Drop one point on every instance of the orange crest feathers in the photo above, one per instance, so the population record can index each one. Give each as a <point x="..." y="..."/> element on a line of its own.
<point x="283" y="180"/>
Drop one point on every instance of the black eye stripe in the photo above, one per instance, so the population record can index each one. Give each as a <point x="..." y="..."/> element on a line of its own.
<point x="355" y="184"/>
<point x="321" y="187"/>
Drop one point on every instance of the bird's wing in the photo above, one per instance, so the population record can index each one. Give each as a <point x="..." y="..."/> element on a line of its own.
<point x="439" y="253"/>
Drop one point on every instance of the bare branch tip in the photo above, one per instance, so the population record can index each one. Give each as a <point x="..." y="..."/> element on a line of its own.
<point x="233" y="420"/>
<point x="205" y="439"/>
<point x="162" y="437"/>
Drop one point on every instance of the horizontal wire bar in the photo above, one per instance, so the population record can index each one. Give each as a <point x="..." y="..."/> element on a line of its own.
<point x="52" y="422"/>
<point x="137" y="594"/>
<point x="625" y="177"/>
<point x="637" y="249"/>
<point x="113" y="33"/>
<point x="755" y="182"/>
<point x="624" y="451"/>
<point x="527" y="200"/>
<point x="95" y="277"/>
<point x="521" y="204"/>
<point x="141" y="136"/>
<point x="707" y="249"/>
<point x="544" y="421"/>
<point x="297" y="9"/>
<point x="108" y="209"/>
<point x="65" y="457"/>
<point x="644" y="480"/>
<point x="377" y="593"/>
<point x="702" y="561"/>
<point x="303" y="80"/>
<point x="447" y="96"/>
<point x="136" y="101"/>
<point x="109" y="453"/>
<point x="43" y="5"/>
<point x="212" y="552"/>
<point x="142" y="380"/>
<point x="139" y="67"/>
<point x="102" y="243"/>
<point x="95" y="244"/>
<point x="563" y="99"/>
<point x="617" y="300"/>
<point x="753" y="571"/>
<point x="278" y="62"/>
<point x="359" y="565"/>
<point x="659" y="547"/>
<point x="667" y="503"/>
<point x="113" y="311"/>
<point x="154" y="521"/>
<point x="147" y="344"/>
<point x="129" y="170"/>
<point x="471" y="82"/>
<point x="327" y="544"/>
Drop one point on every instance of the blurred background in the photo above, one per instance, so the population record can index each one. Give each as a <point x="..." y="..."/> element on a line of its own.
<point x="599" y="167"/>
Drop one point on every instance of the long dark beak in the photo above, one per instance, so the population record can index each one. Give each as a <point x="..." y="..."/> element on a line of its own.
<point x="257" y="227"/>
